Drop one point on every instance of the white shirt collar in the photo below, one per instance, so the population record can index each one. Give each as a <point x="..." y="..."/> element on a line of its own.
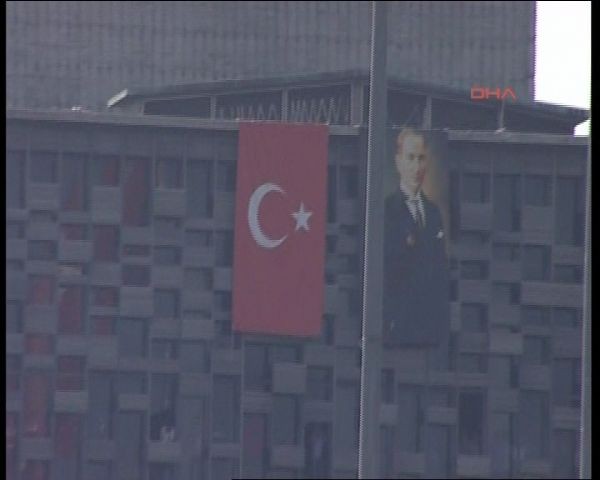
<point x="413" y="201"/>
<point x="409" y="195"/>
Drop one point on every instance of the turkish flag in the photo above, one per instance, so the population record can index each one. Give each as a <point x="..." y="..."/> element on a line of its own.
<point x="280" y="220"/>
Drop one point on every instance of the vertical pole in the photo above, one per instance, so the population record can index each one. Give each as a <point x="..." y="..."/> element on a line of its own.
<point x="585" y="449"/>
<point x="368" y="448"/>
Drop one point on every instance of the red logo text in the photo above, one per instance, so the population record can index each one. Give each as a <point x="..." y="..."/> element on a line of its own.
<point x="485" y="93"/>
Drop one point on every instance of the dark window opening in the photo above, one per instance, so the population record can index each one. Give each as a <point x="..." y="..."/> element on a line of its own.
<point x="471" y="413"/>
<point x="169" y="173"/>
<point x="43" y="167"/>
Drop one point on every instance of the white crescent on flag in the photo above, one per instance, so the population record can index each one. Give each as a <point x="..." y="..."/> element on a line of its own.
<point x="253" y="206"/>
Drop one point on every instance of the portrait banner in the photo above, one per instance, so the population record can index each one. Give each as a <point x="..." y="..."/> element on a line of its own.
<point x="279" y="247"/>
<point x="416" y="308"/>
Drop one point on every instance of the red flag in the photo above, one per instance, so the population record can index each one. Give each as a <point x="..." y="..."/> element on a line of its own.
<point x="280" y="229"/>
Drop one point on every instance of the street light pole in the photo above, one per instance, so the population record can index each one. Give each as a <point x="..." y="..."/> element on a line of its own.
<point x="370" y="392"/>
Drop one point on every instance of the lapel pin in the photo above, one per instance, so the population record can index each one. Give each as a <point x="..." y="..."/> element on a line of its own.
<point x="440" y="234"/>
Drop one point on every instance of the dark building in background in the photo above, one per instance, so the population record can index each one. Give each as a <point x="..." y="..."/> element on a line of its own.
<point x="121" y="362"/>
<point x="63" y="54"/>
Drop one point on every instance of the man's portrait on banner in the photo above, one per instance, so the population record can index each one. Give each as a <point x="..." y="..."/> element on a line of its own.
<point x="416" y="309"/>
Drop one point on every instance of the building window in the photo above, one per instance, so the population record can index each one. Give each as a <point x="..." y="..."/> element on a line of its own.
<point x="15" y="230"/>
<point x="567" y="273"/>
<point x="105" y="297"/>
<point x="36" y="404"/>
<point x="507" y="252"/>
<point x="70" y="309"/>
<point x="13" y="373"/>
<point x="70" y="374"/>
<point x="257" y="369"/>
<point x="12" y="433"/>
<point x="132" y="337"/>
<point x="475" y="188"/>
<point x="347" y="416"/>
<point x="537" y="190"/>
<point x="194" y="357"/>
<point x="473" y="317"/>
<point x="14" y="316"/>
<point x="348" y="182"/>
<point x="536" y="262"/>
<point x="507" y="203"/>
<point x="533" y="425"/>
<point x="226" y="409"/>
<point x="102" y="325"/>
<point x="535" y="316"/>
<point x="131" y="383"/>
<point x="163" y="349"/>
<point x="474" y="270"/>
<point x="536" y="350"/>
<point x="43" y="167"/>
<point x="255" y="456"/>
<point x="167" y="227"/>
<point x="224" y="248"/>
<point x="162" y="471"/>
<point x="105" y="170"/>
<point x="471" y="415"/>
<point x="136" y="192"/>
<point x="565" y="317"/>
<point x="163" y="408"/>
<point x="39" y="344"/>
<point x="167" y="256"/>
<point x="472" y="363"/>
<point x="223" y="301"/>
<point x="286" y="420"/>
<point x="506" y="293"/>
<point x="106" y="243"/>
<point x="570" y="218"/>
<point x="136" y="250"/>
<point x="225" y="468"/>
<point x="135" y="275"/>
<point x="331" y="194"/>
<point x="98" y="470"/>
<point x="42" y="216"/>
<point x="101" y="405"/>
<point x="166" y="304"/>
<point x="67" y="442"/>
<point x="328" y="333"/>
<point x="130" y="439"/>
<point x="387" y="385"/>
<point x="199" y="279"/>
<point x="503" y="438"/>
<point x="282" y="353"/>
<point x="74" y="182"/>
<point x="319" y="383"/>
<point x="36" y="470"/>
<point x="74" y="231"/>
<point x="226" y="176"/>
<point x="199" y="238"/>
<point x="566" y="456"/>
<point x="317" y="448"/>
<point x="41" y="290"/>
<point x="566" y="382"/>
<point x="503" y="372"/>
<point x="410" y="423"/>
<point x="169" y="173"/>
<point x="41" y="250"/>
<point x="199" y="188"/>
<point x="15" y="179"/>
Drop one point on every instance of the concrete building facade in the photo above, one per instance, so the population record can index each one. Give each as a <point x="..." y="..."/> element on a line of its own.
<point x="64" y="54"/>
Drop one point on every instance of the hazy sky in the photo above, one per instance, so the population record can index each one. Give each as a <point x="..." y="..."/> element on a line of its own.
<point x="563" y="54"/>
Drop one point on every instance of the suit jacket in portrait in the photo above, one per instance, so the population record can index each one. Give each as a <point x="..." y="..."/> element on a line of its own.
<point x="416" y="308"/>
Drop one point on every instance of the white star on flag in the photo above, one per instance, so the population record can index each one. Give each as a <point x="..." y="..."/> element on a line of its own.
<point x="301" y="217"/>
